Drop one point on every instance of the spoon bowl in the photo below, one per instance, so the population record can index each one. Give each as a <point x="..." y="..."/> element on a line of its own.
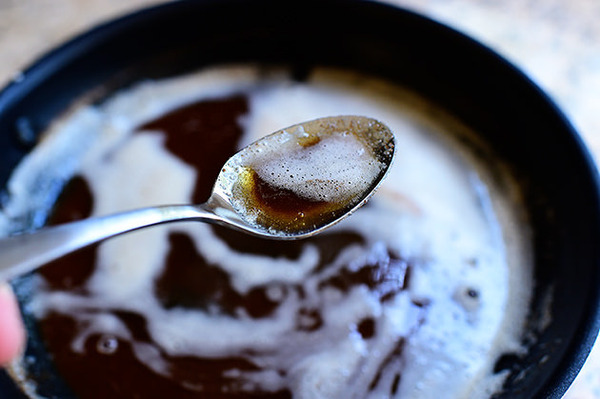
<point x="289" y="185"/>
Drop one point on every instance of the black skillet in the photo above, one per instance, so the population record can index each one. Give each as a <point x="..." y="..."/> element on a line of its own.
<point x="521" y="124"/>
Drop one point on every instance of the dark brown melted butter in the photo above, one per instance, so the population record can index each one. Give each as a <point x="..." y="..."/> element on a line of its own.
<point x="204" y="135"/>
<point x="283" y="209"/>
<point x="72" y="271"/>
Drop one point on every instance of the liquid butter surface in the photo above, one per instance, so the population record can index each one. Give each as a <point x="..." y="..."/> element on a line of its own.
<point x="417" y="295"/>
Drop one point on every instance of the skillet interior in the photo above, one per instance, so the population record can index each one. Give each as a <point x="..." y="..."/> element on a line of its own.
<point x="485" y="92"/>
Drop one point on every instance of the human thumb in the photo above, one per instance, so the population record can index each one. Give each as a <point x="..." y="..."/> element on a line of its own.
<point x="12" y="331"/>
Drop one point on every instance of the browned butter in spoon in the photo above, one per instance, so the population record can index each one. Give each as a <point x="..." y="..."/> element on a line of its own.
<point x="289" y="185"/>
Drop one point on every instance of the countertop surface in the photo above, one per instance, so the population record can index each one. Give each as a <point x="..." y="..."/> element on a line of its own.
<point x="556" y="42"/>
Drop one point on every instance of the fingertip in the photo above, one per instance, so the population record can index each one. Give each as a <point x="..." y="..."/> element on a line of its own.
<point x="12" y="332"/>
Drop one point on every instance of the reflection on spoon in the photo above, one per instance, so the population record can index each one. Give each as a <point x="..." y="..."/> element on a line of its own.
<point x="289" y="185"/>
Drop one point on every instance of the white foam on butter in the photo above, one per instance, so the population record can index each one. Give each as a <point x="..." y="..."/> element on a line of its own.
<point x="438" y="208"/>
<point x="321" y="172"/>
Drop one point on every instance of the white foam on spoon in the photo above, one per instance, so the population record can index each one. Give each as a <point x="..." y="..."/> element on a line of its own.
<point x="438" y="208"/>
<point x="320" y="172"/>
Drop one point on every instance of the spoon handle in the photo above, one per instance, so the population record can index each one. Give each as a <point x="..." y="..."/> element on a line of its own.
<point x="21" y="254"/>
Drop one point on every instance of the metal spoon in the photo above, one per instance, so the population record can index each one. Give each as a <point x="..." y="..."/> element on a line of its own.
<point x="302" y="203"/>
